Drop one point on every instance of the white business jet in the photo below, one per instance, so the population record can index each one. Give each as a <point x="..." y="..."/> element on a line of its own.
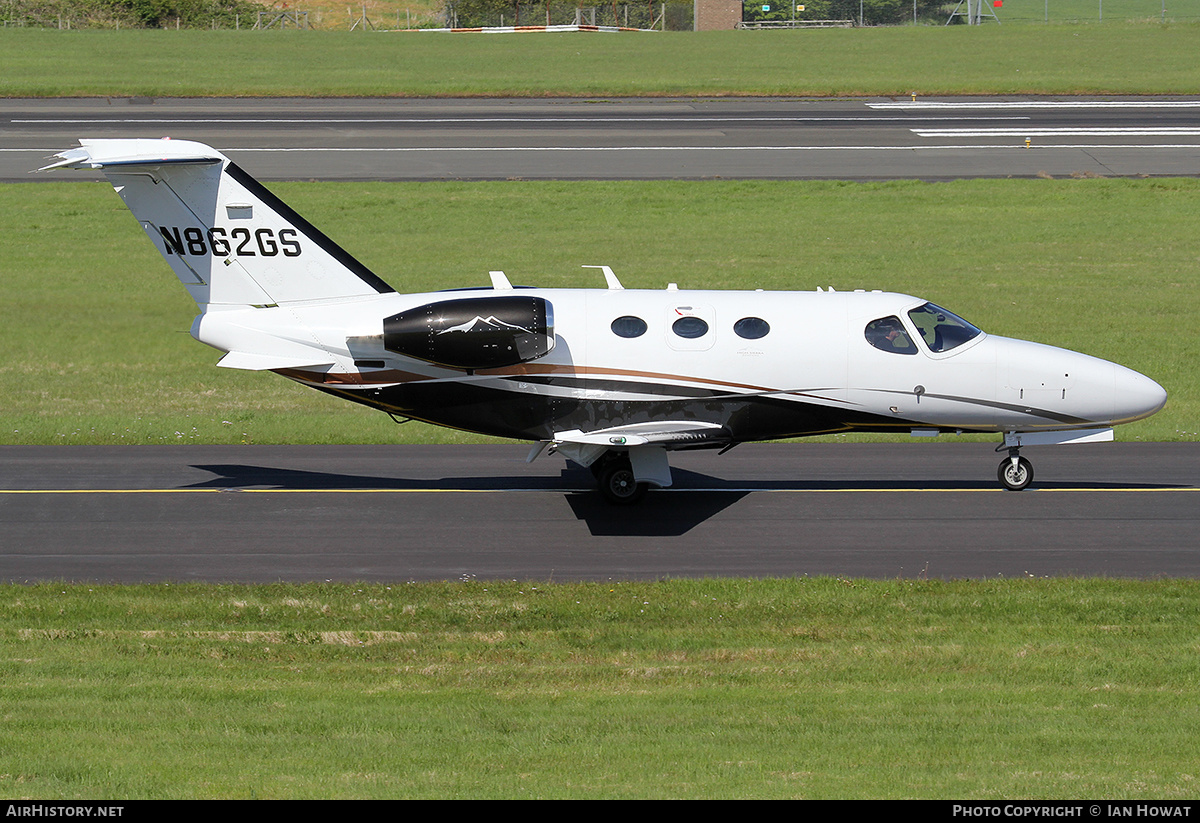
<point x="611" y="378"/>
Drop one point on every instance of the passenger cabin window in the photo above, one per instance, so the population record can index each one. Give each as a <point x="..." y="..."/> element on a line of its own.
<point x="887" y="334"/>
<point x="941" y="329"/>
<point x="629" y="326"/>
<point x="690" y="327"/>
<point x="751" y="328"/>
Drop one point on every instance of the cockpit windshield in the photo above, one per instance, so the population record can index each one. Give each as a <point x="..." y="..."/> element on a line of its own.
<point x="941" y="330"/>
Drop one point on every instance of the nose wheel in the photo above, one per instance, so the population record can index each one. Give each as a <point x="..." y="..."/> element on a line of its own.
<point x="1015" y="472"/>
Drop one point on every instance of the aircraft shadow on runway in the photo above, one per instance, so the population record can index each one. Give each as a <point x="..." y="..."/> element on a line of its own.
<point x="660" y="515"/>
<point x="241" y="476"/>
<point x="694" y="498"/>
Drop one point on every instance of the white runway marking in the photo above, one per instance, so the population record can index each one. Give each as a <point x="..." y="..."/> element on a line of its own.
<point x="1138" y="131"/>
<point x="1042" y="104"/>
<point x="1018" y="133"/>
<point x="441" y="120"/>
<point x="617" y="149"/>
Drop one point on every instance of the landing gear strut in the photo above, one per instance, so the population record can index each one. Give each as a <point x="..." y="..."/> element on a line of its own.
<point x="1015" y="472"/>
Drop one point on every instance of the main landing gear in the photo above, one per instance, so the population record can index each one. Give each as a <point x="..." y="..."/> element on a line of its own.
<point x="615" y="479"/>
<point x="1015" y="472"/>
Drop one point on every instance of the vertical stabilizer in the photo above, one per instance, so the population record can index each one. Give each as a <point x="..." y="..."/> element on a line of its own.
<point x="228" y="239"/>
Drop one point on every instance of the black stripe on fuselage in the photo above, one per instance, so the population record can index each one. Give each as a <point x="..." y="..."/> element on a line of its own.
<point x="431" y="401"/>
<point x="1067" y="419"/>
<point x="529" y="416"/>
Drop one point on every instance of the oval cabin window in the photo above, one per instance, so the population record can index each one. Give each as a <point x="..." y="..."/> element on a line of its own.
<point x="690" y="327"/>
<point x="629" y="326"/>
<point x="751" y="328"/>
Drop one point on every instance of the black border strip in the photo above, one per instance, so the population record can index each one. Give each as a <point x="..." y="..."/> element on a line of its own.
<point x="308" y="229"/>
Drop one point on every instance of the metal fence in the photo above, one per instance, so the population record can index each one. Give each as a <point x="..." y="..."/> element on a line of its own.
<point x="1093" y="11"/>
<point x="675" y="15"/>
<point x="648" y="14"/>
<point x="991" y="12"/>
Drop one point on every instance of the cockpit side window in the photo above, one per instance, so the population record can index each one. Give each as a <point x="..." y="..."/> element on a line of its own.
<point x="942" y="330"/>
<point x="888" y="334"/>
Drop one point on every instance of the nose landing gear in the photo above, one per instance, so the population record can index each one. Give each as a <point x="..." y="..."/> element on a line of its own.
<point x="1015" y="472"/>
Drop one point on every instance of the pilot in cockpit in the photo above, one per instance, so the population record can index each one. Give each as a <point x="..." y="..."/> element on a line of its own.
<point x="887" y="334"/>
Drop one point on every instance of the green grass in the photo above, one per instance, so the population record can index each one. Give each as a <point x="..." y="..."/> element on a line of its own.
<point x="816" y="688"/>
<point x="95" y="325"/>
<point x="1018" y="59"/>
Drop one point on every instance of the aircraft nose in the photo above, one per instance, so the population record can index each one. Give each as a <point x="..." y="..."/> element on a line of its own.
<point x="1135" y="396"/>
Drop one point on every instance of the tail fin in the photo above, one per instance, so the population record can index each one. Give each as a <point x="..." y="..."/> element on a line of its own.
<point x="227" y="238"/>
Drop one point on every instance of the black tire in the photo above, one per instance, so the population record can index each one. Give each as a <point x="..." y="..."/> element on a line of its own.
<point x="1015" y="478"/>
<point x="617" y="483"/>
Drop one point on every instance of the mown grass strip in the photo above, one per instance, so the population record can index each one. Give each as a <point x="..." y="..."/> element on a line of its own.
<point x="928" y="60"/>
<point x="806" y="688"/>
<point x="97" y="349"/>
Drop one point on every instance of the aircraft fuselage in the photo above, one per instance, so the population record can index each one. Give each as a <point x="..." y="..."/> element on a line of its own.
<point x="799" y="364"/>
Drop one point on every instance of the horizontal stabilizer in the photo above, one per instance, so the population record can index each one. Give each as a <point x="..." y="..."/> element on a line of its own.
<point x="100" y="154"/>
<point x="259" y="340"/>
<point x="268" y="362"/>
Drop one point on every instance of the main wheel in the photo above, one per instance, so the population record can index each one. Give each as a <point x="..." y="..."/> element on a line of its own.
<point x="617" y="483"/>
<point x="1015" y="478"/>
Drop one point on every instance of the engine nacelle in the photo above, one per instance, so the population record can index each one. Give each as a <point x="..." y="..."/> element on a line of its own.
<point x="474" y="332"/>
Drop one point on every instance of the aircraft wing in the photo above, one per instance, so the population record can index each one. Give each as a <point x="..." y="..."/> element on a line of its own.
<point x="586" y="447"/>
<point x="646" y="444"/>
<point x="667" y="433"/>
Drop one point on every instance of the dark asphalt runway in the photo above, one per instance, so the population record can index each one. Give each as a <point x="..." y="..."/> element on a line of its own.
<point x="263" y="513"/>
<point x="855" y="139"/>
